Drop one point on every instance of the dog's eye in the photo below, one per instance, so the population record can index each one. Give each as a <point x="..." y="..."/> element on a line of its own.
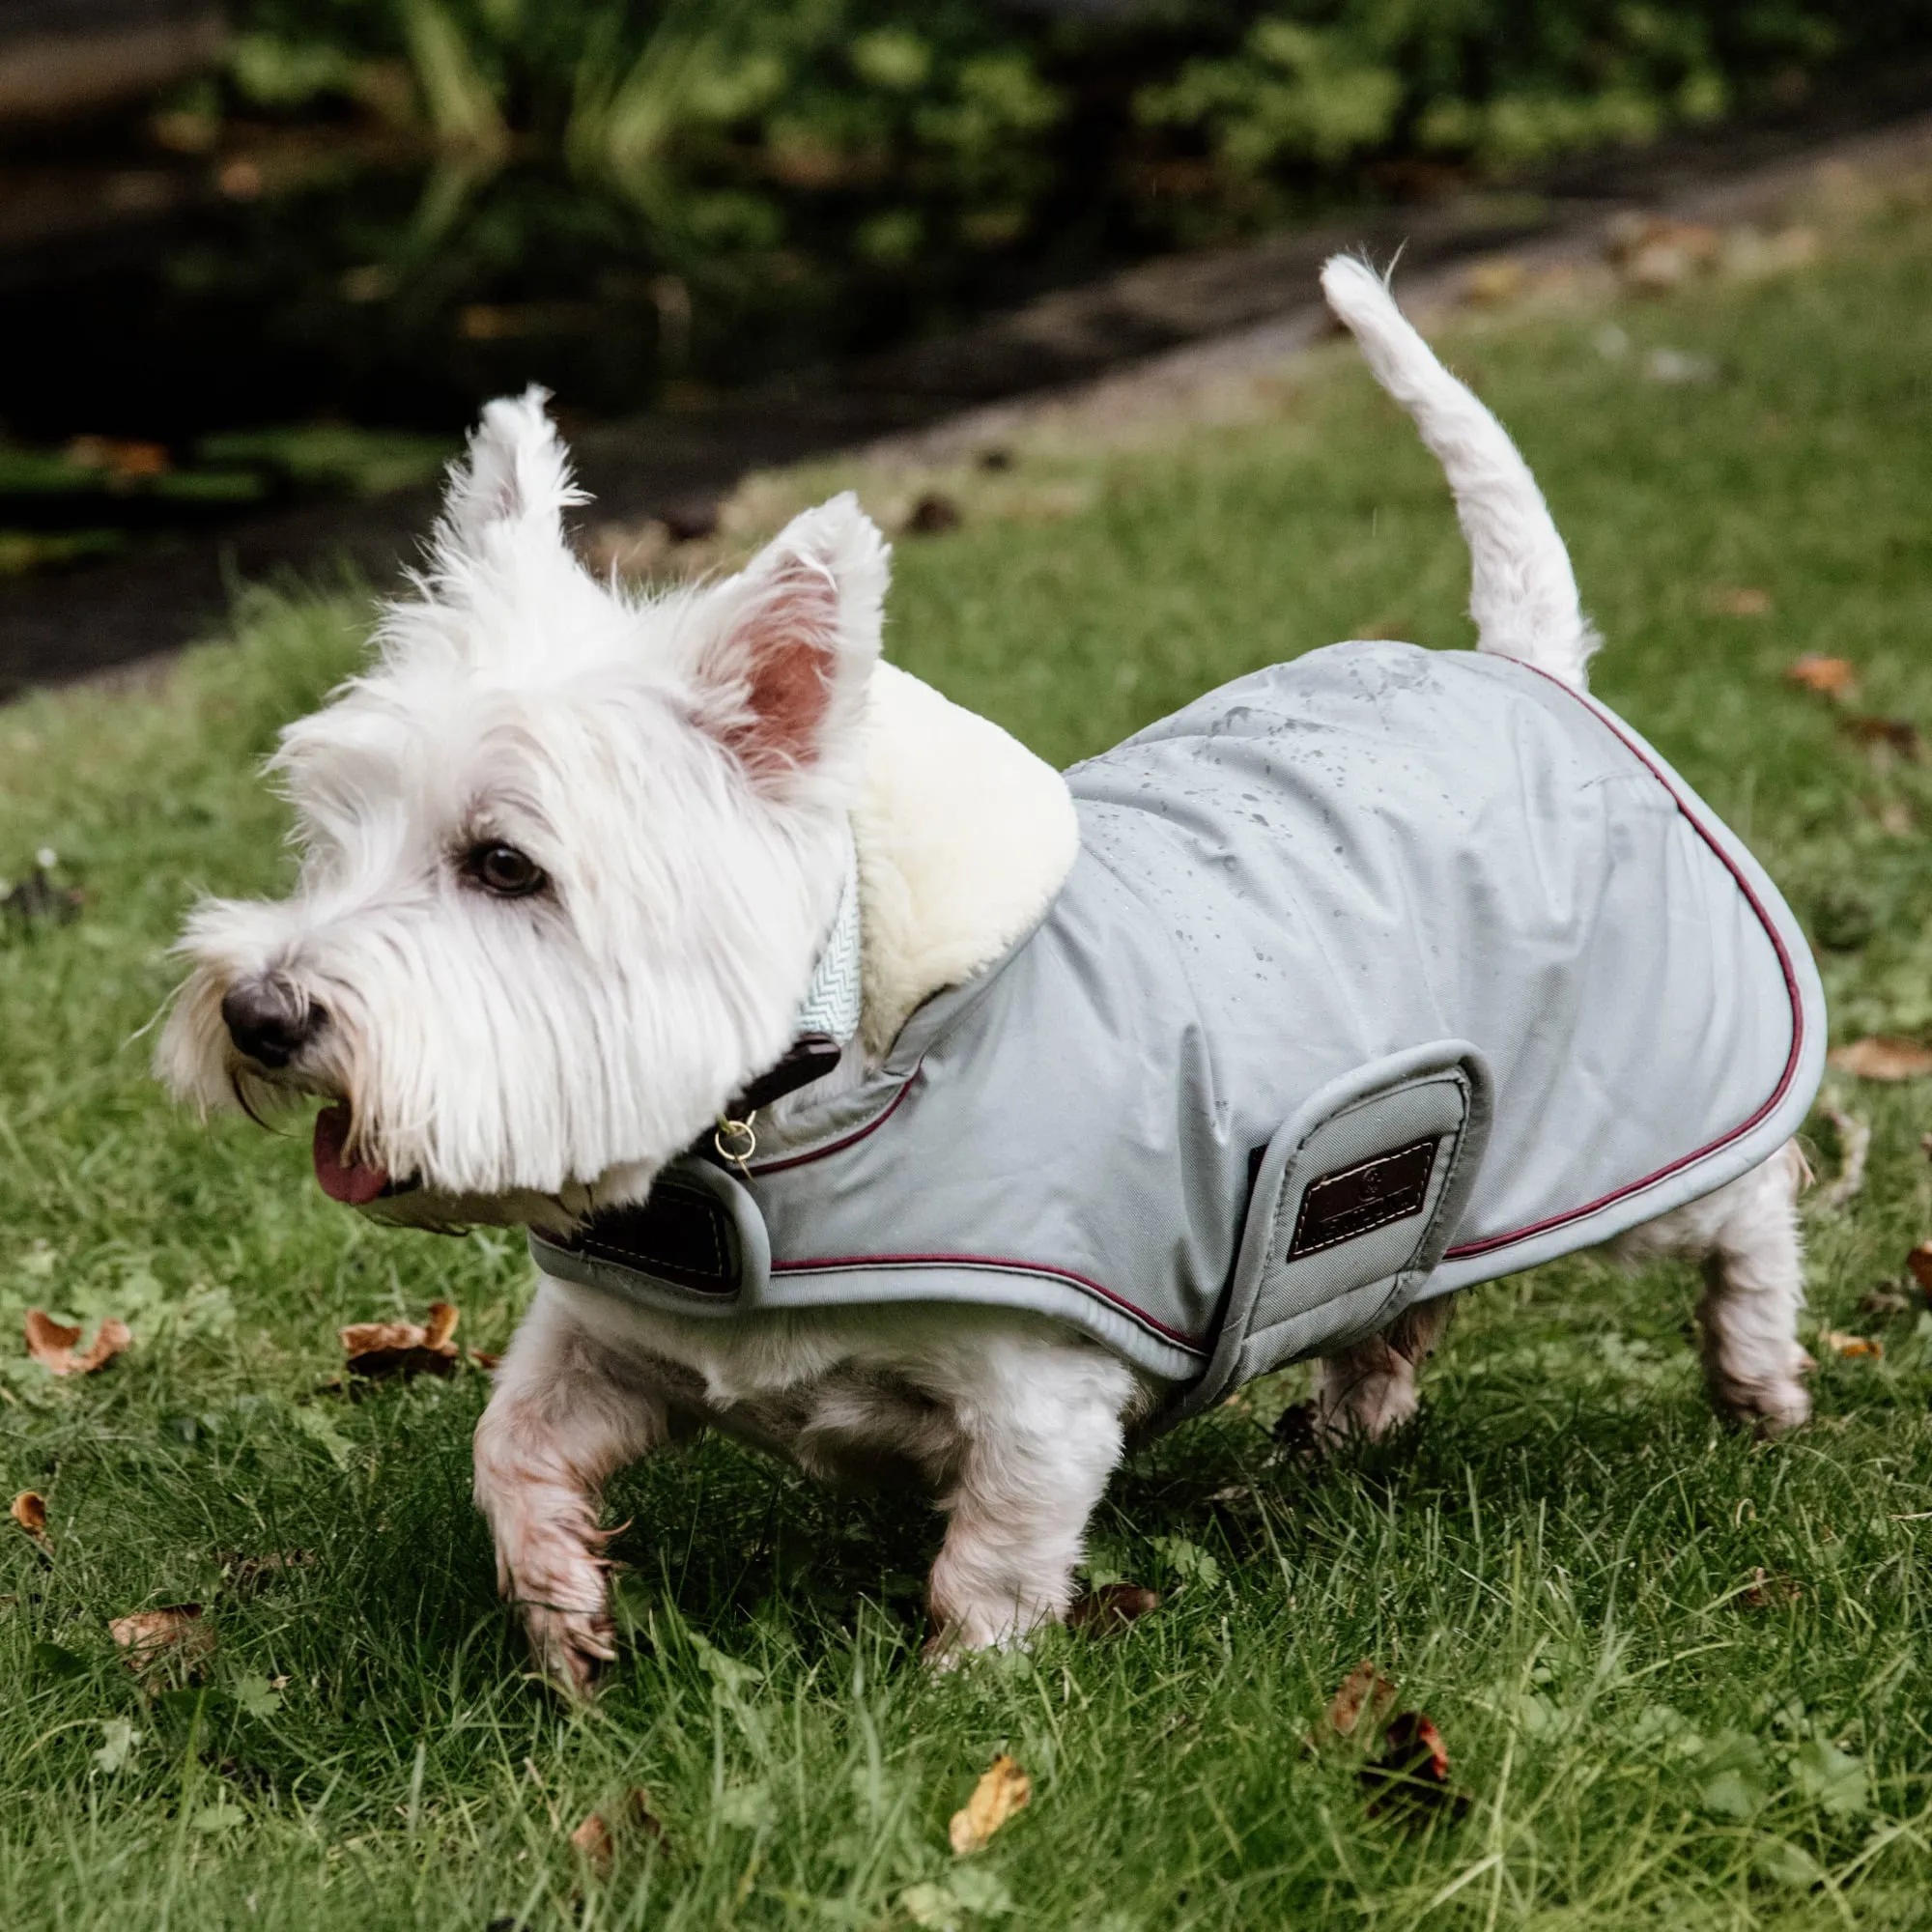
<point x="505" y="871"/>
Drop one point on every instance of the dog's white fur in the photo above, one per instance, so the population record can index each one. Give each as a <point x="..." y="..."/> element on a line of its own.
<point x="684" y="771"/>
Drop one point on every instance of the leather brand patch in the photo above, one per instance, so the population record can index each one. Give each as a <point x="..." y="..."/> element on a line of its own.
<point x="681" y="1235"/>
<point x="1356" y="1200"/>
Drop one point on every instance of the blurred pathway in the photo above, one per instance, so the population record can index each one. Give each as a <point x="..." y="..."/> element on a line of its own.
<point x="1172" y="323"/>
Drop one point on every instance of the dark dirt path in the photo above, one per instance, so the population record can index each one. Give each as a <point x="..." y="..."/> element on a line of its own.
<point x="58" y="628"/>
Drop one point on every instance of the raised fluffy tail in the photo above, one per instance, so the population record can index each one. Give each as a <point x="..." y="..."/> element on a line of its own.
<point x="1523" y="592"/>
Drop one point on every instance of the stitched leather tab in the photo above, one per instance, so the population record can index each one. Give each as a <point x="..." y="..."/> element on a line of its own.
<point x="698" y="1245"/>
<point x="681" y="1235"/>
<point x="1372" y="1194"/>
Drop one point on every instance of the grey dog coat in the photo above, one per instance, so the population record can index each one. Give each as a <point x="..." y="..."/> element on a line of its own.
<point x="1377" y="973"/>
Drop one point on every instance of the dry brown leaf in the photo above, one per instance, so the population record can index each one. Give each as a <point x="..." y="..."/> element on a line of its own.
<point x="379" y="1363"/>
<point x="377" y="1349"/>
<point x="52" y="1344"/>
<point x="1853" y="1150"/>
<point x="1744" y="601"/>
<point x="592" y="1839"/>
<point x="1888" y="1302"/>
<point x="30" y="1512"/>
<point x="1766" y="1592"/>
<point x="1894" y="818"/>
<point x="599" y="1842"/>
<point x="1495" y="279"/>
<point x="249" y="1575"/>
<point x="932" y="515"/>
<point x="1918" y="1263"/>
<point x="1850" y="1345"/>
<point x="1893" y="737"/>
<point x="364" y="1338"/>
<point x="1112" y="1607"/>
<point x="1003" y="1789"/>
<point x="1410" y="1777"/>
<point x="1657" y="253"/>
<point x="1365" y="1693"/>
<point x="1883" y="1057"/>
<point x="1829" y="677"/>
<point x="174" y="1635"/>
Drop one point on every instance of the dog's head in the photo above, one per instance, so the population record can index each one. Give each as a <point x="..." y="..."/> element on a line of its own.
<point x="566" y="857"/>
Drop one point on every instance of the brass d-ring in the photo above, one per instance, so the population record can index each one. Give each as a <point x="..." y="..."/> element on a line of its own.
<point x="736" y="1141"/>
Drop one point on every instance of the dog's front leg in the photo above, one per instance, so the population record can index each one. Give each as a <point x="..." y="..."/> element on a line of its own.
<point x="564" y="1416"/>
<point x="1041" y="1432"/>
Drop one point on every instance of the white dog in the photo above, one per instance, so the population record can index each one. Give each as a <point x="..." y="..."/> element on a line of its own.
<point x="574" y="865"/>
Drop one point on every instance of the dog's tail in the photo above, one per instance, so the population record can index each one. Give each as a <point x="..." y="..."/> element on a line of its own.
<point x="1523" y="592"/>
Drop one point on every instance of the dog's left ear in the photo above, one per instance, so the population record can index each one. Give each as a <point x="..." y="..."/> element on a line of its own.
<point x="515" y="478"/>
<point x="789" y="644"/>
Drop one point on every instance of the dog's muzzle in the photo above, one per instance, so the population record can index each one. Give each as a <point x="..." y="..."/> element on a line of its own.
<point x="269" y="1020"/>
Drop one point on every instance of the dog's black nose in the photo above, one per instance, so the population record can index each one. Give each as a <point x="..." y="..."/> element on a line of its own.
<point x="269" y="1021"/>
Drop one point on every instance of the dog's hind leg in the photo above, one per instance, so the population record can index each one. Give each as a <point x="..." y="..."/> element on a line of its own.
<point x="564" y="1417"/>
<point x="1368" y="1389"/>
<point x="1745" y="1236"/>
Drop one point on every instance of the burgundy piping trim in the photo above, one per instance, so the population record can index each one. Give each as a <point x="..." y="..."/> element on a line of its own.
<point x="852" y="1139"/>
<point x="1491" y="1242"/>
<point x="834" y="1264"/>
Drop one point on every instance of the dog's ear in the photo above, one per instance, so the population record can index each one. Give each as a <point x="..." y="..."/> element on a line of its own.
<point x="516" y="475"/>
<point x="790" y="642"/>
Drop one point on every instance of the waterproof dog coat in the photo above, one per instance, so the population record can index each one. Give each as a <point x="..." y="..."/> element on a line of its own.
<point x="1377" y="973"/>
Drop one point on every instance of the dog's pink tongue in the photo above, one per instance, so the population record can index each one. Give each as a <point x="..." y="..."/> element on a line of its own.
<point x="345" y="1180"/>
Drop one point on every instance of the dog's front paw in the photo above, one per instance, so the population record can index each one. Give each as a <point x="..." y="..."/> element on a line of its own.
<point x="570" y="1648"/>
<point x="561" y="1590"/>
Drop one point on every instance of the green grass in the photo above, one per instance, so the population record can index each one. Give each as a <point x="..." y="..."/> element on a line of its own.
<point x="1552" y="1567"/>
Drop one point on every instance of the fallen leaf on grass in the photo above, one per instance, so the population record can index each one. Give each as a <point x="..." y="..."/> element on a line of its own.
<point x="1003" y="1789"/>
<point x="599" y="1842"/>
<point x="1766" y="1592"/>
<point x="933" y="514"/>
<point x="1654" y="253"/>
<point x="1744" y="601"/>
<point x="1112" y="1607"/>
<point x="1883" y="1057"/>
<point x="249" y="1575"/>
<point x="1410" y="1777"/>
<point x="120" y="460"/>
<point x="1496" y="279"/>
<point x="52" y="1344"/>
<point x="1853" y="1148"/>
<point x="37" y="898"/>
<point x="1358" y="1709"/>
<point x="1829" y="677"/>
<point x="379" y="1348"/>
<point x="30" y="1512"/>
<point x="176" y="1635"/>
<point x="1892" y="736"/>
<point x="1918" y="1263"/>
<point x="1886" y="1302"/>
<point x="1843" y="1345"/>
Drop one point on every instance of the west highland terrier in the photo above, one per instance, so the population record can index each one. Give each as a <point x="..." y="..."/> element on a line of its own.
<point x="877" y="1094"/>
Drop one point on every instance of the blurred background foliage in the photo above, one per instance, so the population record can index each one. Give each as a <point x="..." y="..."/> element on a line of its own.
<point x="861" y="170"/>
<point x="397" y="207"/>
<point x="1227" y="107"/>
